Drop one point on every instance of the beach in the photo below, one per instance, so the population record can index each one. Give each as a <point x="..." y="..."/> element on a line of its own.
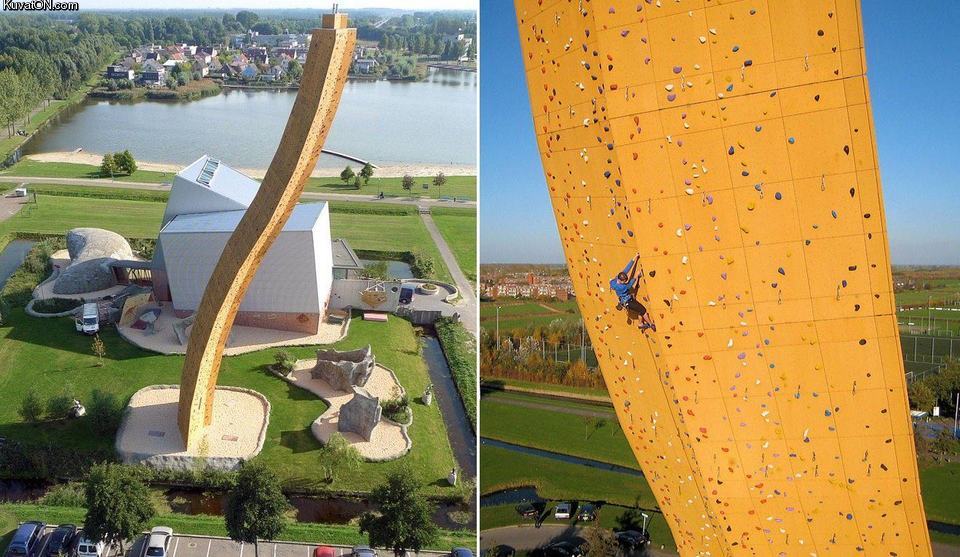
<point x="385" y="171"/>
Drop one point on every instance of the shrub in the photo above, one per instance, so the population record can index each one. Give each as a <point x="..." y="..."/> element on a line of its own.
<point x="284" y="361"/>
<point x="104" y="412"/>
<point x="397" y="407"/>
<point x="31" y="408"/>
<point x="65" y="495"/>
<point x="55" y="305"/>
<point x="422" y="265"/>
<point x="59" y="407"/>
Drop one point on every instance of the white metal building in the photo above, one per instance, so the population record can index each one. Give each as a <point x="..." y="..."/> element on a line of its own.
<point x="291" y="289"/>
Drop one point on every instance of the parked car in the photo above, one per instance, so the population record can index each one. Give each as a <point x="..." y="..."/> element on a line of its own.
<point x="588" y="512"/>
<point x="89" y="322"/>
<point x="406" y="294"/>
<point x="461" y="552"/>
<point x="87" y="548"/>
<point x="159" y="541"/>
<point x="563" y="511"/>
<point x="527" y="510"/>
<point x="563" y="549"/>
<point x="25" y="539"/>
<point x="363" y="551"/>
<point x="631" y="539"/>
<point x="61" y="540"/>
<point x="324" y="551"/>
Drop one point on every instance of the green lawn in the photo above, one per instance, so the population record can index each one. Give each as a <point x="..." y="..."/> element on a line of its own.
<point x="553" y="430"/>
<point x="526" y="314"/>
<point x="461" y="187"/>
<point x="49" y="356"/>
<point x="558" y="481"/>
<point x="459" y="229"/>
<point x="32" y="168"/>
<point x="12" y="514"/>
<point x="388" y="233"/>
<point x="940" y="290"/>
<point x="55" y="214"/>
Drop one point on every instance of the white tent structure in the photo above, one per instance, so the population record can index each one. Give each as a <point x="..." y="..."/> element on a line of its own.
<point x="291" y="289"/>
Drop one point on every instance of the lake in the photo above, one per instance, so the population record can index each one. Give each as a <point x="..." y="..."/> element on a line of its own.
<point x="432" y="121"/>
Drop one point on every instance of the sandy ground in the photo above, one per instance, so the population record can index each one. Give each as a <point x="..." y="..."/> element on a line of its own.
<point x="150" y="425"/>
<point x="386" y="171"/>
<point x="388" y="440"/>
<point x="164" y="340"/>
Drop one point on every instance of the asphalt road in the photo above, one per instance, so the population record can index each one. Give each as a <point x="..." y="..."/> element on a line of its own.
<point x="103" y="182"/>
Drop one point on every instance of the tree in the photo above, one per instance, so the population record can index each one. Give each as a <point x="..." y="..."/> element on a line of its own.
<point x="357" y="182"/>
<point x="407" y="182"/>
<point x="294" y="70"/>
<point x="338" y="456"/>
<point x="99" y="349"/>
<point x="104" y="412"/>
<point x="366" y="173"/>
<point x="403" y="519"/>
<point x="247" y="18"/>
<point x="31" y="409"/>
<point x="921" y="396"/>
<point x="108" y="167"/>
<point x="347" y="174"/>
<point x="118" y="504"/>
<point x="125" y="162"/>
<point x="255" y="507"/>
<point x="601" y="542"/>
<point x="439" y="180"/>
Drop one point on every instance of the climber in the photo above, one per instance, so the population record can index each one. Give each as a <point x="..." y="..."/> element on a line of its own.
<point x="624" y="286"/>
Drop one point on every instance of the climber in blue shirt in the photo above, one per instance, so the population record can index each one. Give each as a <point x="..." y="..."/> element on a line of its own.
<point x="624" y="286"/>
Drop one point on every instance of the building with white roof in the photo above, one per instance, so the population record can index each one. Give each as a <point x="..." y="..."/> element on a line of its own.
<point x="291" y="289"/>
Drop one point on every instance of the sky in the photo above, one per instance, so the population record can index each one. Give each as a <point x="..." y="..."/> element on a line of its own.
<point x="345" y="5"/>
<point x="914" y="74"/>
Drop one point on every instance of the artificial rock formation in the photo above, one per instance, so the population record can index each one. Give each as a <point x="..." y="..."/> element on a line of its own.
<point x="324" y="76"/>
<point x="91" y="252"/>
<point x="360" y="414"/>
<point x="344" y="370"/>
<point x="730" y="145"/>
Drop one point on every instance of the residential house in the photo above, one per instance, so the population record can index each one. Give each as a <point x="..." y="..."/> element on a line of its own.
<point x="365" y="65"/>
<point x="120" y="71"/>
<point x="153" y="73"/>
<point x="249" y="72"/>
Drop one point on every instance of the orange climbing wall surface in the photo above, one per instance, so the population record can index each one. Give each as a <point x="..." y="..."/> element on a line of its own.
<point x="730" y="144"/>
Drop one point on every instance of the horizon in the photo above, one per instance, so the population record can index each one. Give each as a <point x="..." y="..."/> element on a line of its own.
<point x="251" y="5"/>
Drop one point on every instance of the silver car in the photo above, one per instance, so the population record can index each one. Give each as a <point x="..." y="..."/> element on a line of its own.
<point x="159" y="541"/>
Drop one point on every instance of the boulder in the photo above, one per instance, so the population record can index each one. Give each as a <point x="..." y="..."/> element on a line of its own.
<point x="344" y="370"/>
<point x="91" y="252"/>
<point x="360" y="414"/>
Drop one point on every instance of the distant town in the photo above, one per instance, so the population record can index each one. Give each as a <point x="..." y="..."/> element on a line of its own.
<point x="525" y="281"/>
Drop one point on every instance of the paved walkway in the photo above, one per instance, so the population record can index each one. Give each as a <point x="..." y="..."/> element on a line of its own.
<point x="469" y="306"/>
<point x="104" y="182"/>
<point x="531" y="537"/>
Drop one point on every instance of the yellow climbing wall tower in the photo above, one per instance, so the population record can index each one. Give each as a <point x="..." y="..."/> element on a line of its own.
<point x="729" y="144"/>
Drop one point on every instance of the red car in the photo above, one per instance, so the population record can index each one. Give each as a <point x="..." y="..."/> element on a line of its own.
<point x="324" y="551"/>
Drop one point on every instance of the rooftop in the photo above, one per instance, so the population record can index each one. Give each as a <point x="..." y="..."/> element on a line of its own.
<point x="303" y="219"/>
<point x="344" y="256"/>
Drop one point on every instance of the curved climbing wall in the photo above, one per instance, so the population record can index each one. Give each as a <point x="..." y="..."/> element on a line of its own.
<point x="730" y="145"/>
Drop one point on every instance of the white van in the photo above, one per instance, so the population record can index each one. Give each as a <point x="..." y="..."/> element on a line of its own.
<point x="86" y="548"/>
<point x="89" y="321"/>
<point x="20" y="192"/>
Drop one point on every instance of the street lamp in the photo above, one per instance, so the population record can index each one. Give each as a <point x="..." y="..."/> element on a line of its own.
<point x="498" y="327"/>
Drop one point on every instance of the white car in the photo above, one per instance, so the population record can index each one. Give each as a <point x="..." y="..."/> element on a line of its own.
<point x="87" y="548"/>
<point x="159" y="541"/>
<point x="563" y="510"/>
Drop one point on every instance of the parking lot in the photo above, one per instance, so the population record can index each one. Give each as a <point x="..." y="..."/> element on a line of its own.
<point x="205" y="546"/>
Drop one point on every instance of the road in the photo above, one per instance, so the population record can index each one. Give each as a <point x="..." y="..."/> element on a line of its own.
<point x="531" y="537"/>
<point x="104" y="182"/>
<point x="469" y="305"/>
<point x="209" y="546"/>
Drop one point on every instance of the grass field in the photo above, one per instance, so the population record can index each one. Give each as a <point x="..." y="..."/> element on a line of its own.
<point x="554" y="430"/>
<point x="459" y="229"/>
<point x="940" y="290"/>
<point x="52" y="345"/>
<point x="55" y="214"/>
<point x="525" y="314"/>
<point x="12" y="514"/>
<point x="461" y="187"/>
<point x="32" y="168"/>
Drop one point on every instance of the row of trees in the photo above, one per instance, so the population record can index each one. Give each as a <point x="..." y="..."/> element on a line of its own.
<point x="348" y="175"/>
<point x="119" y="508"/>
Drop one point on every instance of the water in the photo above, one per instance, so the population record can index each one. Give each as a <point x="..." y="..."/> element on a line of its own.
<point x="432" y="121"/>
<point x="459" y="432"/>
<point x="569" y="459"/>
<point x="12" y="257"/>
<point x="396" y="269"/>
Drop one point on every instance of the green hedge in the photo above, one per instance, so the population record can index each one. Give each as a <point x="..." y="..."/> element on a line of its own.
<point x="459" y="347"/>
<point x="365" y="208"/>
<point x="36" y="267"/>
<point x="101" y="192"/>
